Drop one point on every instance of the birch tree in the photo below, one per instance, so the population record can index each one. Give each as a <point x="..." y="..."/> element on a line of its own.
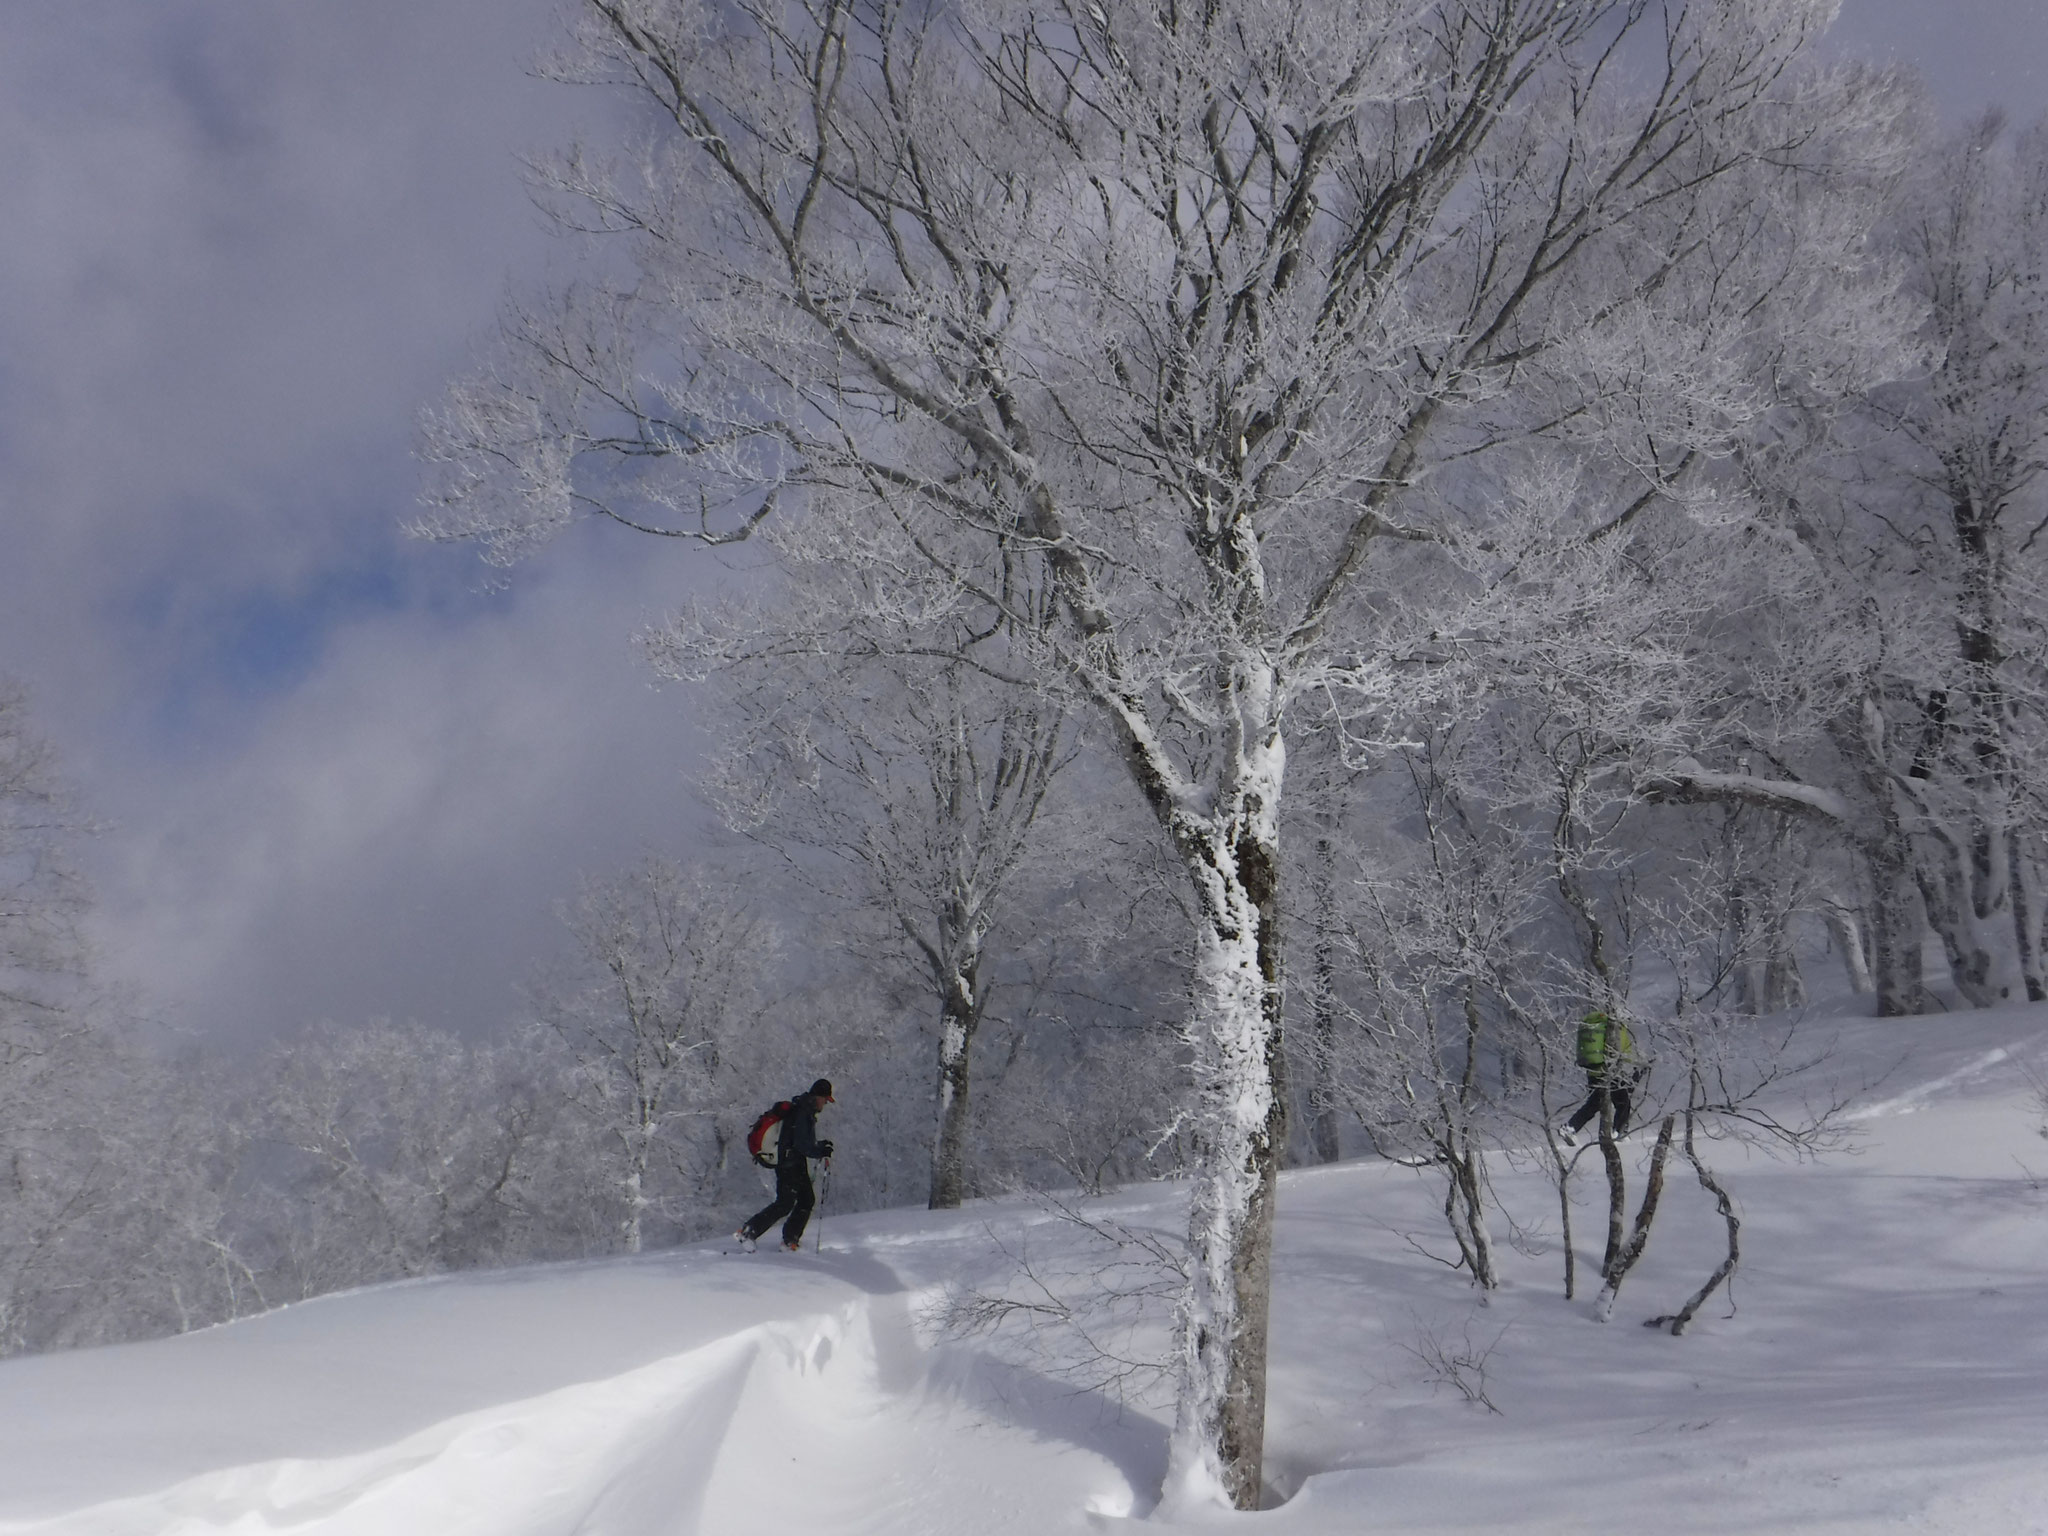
<point x="894" y="756"/>
<point x="932" y="801"/>
<point x="1210" y="314"/>
<point x="667" y="982"/>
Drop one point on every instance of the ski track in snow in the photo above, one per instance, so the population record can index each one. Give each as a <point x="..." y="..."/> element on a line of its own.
<point x="700" y="1441"/>
<point x="1883" y="1369"/>
<point x="1916" y="1098"/>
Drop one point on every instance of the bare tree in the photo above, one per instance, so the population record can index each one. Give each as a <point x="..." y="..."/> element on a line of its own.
<point x="56" y="1175"/>
<point x="43" y="960"/>
<point x="667" y="982"/>
<point x="395" y="1150"/>
<point x="1726" y="1077"/>
<point x="1967" y="447"/>
<point x="885" y="757"/>
<point x="1924" y="640"/>
<point x="1210" y="314"/>
<point x="1440" y="947"/>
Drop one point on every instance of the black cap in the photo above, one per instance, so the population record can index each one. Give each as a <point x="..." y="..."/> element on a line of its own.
<point x="822" y="1089"/>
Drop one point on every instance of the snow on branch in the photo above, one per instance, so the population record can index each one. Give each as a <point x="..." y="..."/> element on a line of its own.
<point x="1685" y="782"/>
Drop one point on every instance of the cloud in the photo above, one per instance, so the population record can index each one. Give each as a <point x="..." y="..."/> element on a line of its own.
<point x="241" y="243"/>
<point x="1974" y="53"/>
<point x="392" y="837"/>
<point x="244" y="243"/>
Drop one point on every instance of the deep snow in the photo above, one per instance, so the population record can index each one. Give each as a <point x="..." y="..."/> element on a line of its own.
<point x="1886" y="1368"/>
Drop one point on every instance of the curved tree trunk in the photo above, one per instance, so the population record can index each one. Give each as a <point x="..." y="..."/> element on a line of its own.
<point x="1622" y="1256"/>
<point x="1973" y="898"/>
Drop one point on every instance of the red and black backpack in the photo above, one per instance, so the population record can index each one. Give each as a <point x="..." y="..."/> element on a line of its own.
<point x="765" y="1139"/>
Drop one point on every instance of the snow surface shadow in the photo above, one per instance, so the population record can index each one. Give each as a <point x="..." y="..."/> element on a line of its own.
<point x="1054" y="1411"/>
<point x="996" y="1390"/>
<point x="861" y="1270"/>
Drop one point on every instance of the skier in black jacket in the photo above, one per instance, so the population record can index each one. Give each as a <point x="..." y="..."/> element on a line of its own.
<point x="797" y="1145"/>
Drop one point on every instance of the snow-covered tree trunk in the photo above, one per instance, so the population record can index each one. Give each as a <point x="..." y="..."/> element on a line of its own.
<point x="636" y="1203"/>
<point x="1760" y="909"/>
<point x="959" y="1014"/>
<point x="1882" y="836"/>
<point x="1731" y="1222"/>
<point x="1767" y="979"/>
<point x="1964" y="891"/>
<point x="1324" y="1138"/>
<point x="1465" y="1200"/>
<point x="1624" y="1253"/>
<point x="1240" y="1130"/>
<point x="1465" y="1208"/>
<point x="640" y="1137"/>
<point x="1846" y="927"/>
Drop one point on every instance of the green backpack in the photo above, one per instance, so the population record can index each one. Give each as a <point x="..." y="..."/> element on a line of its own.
<point x="1598" y="1035"/>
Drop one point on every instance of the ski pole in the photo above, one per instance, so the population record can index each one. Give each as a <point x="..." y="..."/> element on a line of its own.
<point x="824" y="1189"/>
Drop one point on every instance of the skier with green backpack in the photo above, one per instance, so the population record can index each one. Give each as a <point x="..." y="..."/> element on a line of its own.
<point x="1607" y="1052"/>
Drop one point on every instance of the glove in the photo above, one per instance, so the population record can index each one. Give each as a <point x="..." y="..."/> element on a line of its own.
<point x="824" y="1149"/>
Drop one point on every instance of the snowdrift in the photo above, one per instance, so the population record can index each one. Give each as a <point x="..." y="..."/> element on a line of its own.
<point x="1883" y="1367"/>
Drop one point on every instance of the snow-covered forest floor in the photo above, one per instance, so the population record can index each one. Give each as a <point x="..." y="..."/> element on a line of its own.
<point x="1885" y="1366"/>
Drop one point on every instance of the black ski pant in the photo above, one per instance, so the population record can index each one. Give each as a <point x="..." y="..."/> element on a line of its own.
<point x="793" y="1199"/>
<point x="1621" y="1089"/>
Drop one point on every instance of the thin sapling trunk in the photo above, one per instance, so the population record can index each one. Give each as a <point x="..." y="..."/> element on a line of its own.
<point x="1679" y="1321"/>
<point x="1625" y="1256"/>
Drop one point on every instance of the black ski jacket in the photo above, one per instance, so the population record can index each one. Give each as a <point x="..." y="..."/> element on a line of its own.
<point x="800" y="1128"/>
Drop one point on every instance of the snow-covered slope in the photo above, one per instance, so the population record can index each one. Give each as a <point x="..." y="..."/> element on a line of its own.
<point x="1886" y="1368"/>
